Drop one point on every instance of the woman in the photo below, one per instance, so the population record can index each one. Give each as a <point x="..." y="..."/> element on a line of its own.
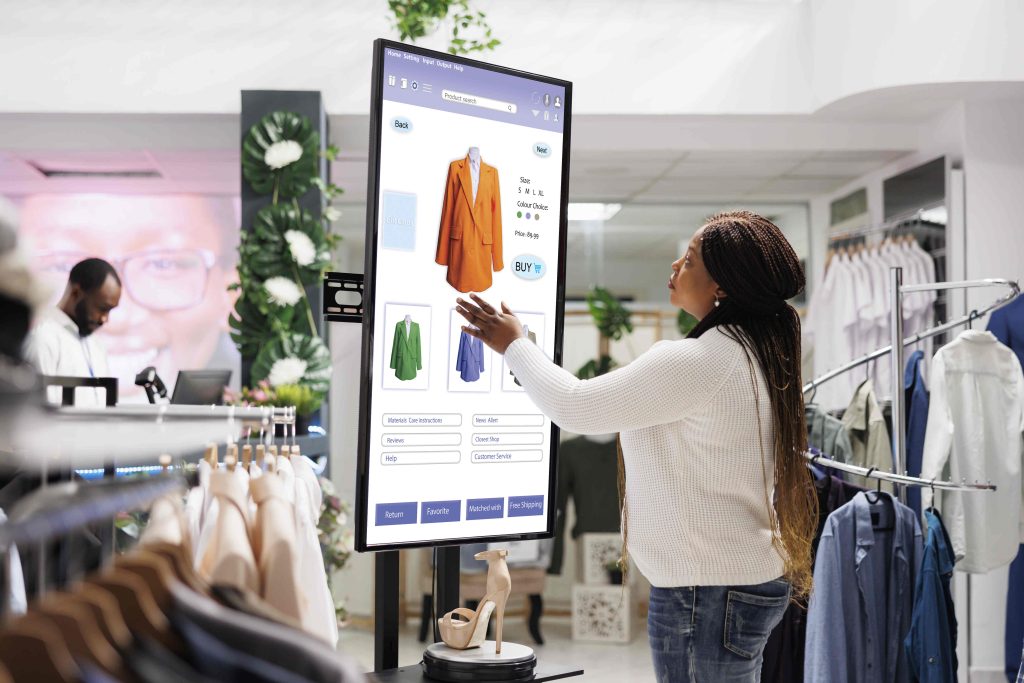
<point x="721" y="509"/>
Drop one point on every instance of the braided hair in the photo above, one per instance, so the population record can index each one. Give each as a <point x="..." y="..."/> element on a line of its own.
<point x="753" y="263"/>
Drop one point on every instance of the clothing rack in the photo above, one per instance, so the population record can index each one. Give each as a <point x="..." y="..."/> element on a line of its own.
<point x="896" y="291"/>
<point x="816" y="457"/>
<point x="270" y="414"/>
<point x="891" y="224"/>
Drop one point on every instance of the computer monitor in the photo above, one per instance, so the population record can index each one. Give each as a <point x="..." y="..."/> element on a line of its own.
<point x="200" y="387"/>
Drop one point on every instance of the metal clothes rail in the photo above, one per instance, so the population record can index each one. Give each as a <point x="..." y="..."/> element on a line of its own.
<point x="816" y="457"/>
<point x="899" y="424"/>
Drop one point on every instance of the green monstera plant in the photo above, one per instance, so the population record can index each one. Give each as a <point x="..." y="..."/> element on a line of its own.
<point x="613" y="321"/>
<point x="282" y="253"/>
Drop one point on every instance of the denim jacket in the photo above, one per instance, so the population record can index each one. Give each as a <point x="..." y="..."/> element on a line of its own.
<point x="855" y="627"/>
<point x="931" y="643"/>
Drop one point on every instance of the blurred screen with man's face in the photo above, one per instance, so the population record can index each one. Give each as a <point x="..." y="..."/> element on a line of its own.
<point x="175" y="255"/>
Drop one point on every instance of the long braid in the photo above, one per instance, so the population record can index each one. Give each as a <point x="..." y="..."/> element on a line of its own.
<point x="750" y="259"/>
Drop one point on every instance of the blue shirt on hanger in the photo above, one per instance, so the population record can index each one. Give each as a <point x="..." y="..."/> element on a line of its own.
<point x="917" y="421"/>
<point x="1007" y="324"/>
<point x="931" y="643"/>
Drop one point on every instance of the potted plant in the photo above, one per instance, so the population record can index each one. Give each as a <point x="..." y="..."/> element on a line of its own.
<point x="613" y="321"/>
<point x="284" y="252"/>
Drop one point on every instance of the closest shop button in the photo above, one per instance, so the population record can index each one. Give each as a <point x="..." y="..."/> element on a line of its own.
<point x="389" y="514"/>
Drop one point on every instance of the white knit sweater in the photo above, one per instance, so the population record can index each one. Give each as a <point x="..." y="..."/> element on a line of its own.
<point x="698" y="480"/>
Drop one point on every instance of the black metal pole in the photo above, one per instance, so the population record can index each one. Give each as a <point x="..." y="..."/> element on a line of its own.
<point x="447" y="597"/>
<point x="385" y="611"/>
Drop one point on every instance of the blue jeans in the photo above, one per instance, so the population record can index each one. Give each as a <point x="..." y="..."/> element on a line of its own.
<point x="707" y="634"/>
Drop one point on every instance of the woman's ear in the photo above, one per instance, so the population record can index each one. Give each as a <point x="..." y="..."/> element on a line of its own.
<point x="720" y="293"/>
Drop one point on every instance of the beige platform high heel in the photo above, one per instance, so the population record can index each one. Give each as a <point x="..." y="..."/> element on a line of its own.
<point x="472" y="630"/>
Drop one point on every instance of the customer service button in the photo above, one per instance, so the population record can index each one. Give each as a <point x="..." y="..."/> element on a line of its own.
<point x="506" y="456"/>
<point x="389" y="514"/>
<point x="525" y="506"/>
<point x="441" y="511"/>
<point x="485" y="508"/>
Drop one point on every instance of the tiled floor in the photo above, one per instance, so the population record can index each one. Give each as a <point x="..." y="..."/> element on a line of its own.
<point x="601" y="662"/>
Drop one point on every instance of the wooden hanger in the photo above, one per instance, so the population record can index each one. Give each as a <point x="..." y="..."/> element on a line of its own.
<point x="246" y="456"/>
<point x="106" y="614"/>
<point x="296" y="451"/>
<point x="261" y="454"/>
<point x="138" y="606"/>
<point x="272" y="459"/>
<point x="181" y="564"/>
<point x="78" y="629"/>
<point x="230" y="460"/>
<point x="211" y="455"/>
<point x="31" y="651"/>
<point x="156" y="571"/>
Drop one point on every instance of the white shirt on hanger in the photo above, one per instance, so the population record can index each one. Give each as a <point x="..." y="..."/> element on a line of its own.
<point x="975" y="425"/>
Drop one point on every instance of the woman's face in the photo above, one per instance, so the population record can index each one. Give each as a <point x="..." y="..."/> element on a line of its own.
<point x="692" y="289"/>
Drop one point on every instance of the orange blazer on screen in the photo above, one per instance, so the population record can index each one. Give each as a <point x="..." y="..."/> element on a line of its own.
<point x="469" y="241"/>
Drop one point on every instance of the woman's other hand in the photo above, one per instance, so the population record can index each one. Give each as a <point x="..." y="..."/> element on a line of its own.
<point x="495" y="328"/>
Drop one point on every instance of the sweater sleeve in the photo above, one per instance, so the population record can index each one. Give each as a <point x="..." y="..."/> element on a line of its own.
<point x="661" y="386"/>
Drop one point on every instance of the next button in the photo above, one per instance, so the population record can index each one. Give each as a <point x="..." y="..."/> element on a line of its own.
<point x="485" y="508"/>
<point x="525" y="506"/>
<point x="441" y="511"/>
<point x="396" y="513"/>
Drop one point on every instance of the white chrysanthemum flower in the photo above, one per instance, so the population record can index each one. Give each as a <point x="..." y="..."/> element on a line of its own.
<point x="302" y="248"/>
<point x="332" y="214"/>
<point x="282" y="291"/>
<point x="282" y="153"/>
<point x="287" y="371"/>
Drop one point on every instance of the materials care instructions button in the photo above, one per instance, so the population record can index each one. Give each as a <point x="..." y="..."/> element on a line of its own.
<point x="434" y="439"/>
<point x="389" y="514"/>
<point x="505" y="420"/>
<point x="422" y="420"/>
<point x="441" y="511"/>
<point x="421" y="458"/>
<point x="506" y="456"/>
<point x="525" y="506"/>
<point x="485" y="508"/>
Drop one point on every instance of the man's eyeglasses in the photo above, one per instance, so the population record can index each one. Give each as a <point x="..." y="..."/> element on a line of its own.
<point x="160" y="280"/>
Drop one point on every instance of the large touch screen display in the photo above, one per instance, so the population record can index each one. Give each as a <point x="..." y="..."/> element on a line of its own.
<point x="471" y="162"/>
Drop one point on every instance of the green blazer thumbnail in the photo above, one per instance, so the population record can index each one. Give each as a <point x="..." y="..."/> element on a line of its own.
<point x="406" y="357"/>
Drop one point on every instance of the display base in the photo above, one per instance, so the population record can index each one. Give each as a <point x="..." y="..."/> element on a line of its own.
<point x="515" y="663"/>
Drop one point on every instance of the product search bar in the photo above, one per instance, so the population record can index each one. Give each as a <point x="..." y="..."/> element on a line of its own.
<point x="477" y="101"/>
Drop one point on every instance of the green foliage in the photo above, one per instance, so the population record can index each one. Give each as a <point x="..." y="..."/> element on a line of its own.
<point x="613" y="320"/>
<point x="302" y="346"/>
<point x="266" y="251"/>
<point x="415" y="19"/>
<point x="305" y="400"/>
<point x="594" y="368"/>
<point x="292" y="180"/>
<point x="685" y="322"/>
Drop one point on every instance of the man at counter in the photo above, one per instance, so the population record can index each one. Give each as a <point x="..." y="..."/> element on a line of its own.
<point x="62" y="343"/>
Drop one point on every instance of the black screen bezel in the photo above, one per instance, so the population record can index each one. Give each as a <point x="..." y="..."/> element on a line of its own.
<point x="363" y="517"/>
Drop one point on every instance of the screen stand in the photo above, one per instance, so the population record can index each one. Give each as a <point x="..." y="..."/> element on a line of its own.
<point x="385" y="610"/>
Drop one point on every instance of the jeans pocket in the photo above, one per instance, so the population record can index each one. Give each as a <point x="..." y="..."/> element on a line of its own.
<point x="750" y="618"/>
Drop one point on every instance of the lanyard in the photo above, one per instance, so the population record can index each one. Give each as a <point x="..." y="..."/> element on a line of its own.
<point x="88" y="357"/>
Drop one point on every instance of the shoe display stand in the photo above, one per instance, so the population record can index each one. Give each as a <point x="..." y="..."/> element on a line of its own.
<point x="516" y="664"/>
